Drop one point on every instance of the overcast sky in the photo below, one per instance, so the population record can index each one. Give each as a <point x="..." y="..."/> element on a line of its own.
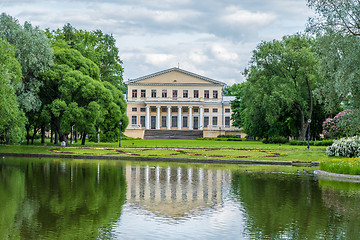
<point x="213" y="38"/>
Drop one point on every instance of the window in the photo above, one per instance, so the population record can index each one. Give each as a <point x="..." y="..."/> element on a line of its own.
<point x="215" y="110"/>
<point x="185" y="94"/>
<point x="206" y="94"/>
<point x="163" y="109"/>
<point x="185" y="110"/>
<point x="153" y="109"/>
<point x="227" y="110"/>
<point x="174" y="121"/>
<point x="143" y="93"/>
<point x="185" y="121"/>
<point x="133" y="120"/>
<point x="174" y="93"/>
<point x="214" y="121"/>
<point x="206" y="121"/>
<point x="196" y="93"/>
<point x="164" y="93"/>
<point x="153" y="93"/>
<point x="142" y="109"/>
<point x="142" y="121"/>
<point x="215" y="94"/>
<point x="134" y="109"/>
<point x="196" y="110"/>
<point x="134" y="93"/>
<point x="227" y="121"/>
<point x="206" y="110"/>
<point x="163" y="121"/>
<point x="175" y="109"/>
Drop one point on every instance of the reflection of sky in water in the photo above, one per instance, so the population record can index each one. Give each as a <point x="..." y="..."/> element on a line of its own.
<point x="178" y="203"/>
<point x="217" y="223"/>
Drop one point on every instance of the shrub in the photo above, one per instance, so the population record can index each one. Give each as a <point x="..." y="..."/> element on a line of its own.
<point x="277" y="139"/>
<point x="345" y="147"/>
<point x="228" y="136"/>
<point x="311" y="143"/>
<point x="338" y="126"/>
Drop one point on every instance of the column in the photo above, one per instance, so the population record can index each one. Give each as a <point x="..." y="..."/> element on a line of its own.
<point x="190" y="118"/>
<point x="169" y="117"/>
<point x="147" y="117"/>
<point x="201" y="120"/>
<point x="179" y="117"/>
<point x="158" y="117"/>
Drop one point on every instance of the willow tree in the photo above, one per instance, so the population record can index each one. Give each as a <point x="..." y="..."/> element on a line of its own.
<point x="278" y="94"/>
<point x="12" y="120"/>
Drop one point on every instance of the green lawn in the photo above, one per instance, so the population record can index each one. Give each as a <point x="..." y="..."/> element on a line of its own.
<point x="240" y="150"/>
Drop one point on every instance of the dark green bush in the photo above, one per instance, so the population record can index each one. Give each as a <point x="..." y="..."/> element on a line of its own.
<point x="277" y="139"/>
<point x="312" y="143"/>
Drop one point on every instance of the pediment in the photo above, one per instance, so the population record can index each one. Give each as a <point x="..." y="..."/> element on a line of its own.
<point x="174" y="76"/>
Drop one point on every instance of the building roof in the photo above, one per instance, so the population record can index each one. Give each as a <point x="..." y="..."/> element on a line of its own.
<point x="136" y="80"/>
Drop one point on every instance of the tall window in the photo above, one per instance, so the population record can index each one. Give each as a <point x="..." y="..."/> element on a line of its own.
<point x="174" y="121"/>
<point x="227" y="121"/>
<point x="174" y="93"/>
<point x="163" y="121"/>
<point x="134" y="93"/>
<point x="133" y="120"/>
<point x="143" y="93"/>
<point x="214" y="121"/>
<point x="215" y="94"/>
<point x="206" y="94"/>
<point x="185" y="93"/>
<point x="142" y="121"/>
<point x="196" y="93"/>
<point x="164" y="93"/>
<point x="206" y="121"/>
<point x="185" y="121"/>
<point x="153" y="93"/>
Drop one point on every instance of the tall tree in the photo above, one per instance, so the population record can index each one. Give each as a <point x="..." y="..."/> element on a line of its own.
<point x="338" y="29"/>
<point x="33" y="51"/>
<point x="99" y="48"/>
<point x="12" y="120"/>
<point x="278" y="93"/>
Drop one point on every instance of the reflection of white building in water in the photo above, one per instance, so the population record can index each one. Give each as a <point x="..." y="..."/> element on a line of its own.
<point x="175" y="192"/>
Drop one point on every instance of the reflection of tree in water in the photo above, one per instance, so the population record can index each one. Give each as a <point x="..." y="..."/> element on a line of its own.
<point x="343" y="198"/>
<point x="286" y="206"/>
<point x="67" y="200"/>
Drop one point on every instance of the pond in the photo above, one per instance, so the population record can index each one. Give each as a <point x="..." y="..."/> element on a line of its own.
<point x="83" y="199"/>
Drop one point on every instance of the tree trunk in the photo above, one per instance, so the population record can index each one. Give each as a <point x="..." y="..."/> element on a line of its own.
<point x="43" y="134"/>
<point x="76" y="135"/>
<point x="83" y="138"/>
<point x="56" y="138"/>
<point x="27" y="135"/>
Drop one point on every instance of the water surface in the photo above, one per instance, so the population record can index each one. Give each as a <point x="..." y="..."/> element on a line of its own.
<point x="82" y="199"/>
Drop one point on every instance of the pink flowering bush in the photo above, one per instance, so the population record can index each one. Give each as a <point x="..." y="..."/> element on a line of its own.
<point x="334" y="128"/>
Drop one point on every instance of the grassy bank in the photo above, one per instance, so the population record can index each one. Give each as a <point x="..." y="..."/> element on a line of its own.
<point x="195" y="149"/>
<point x="342" y="166"/>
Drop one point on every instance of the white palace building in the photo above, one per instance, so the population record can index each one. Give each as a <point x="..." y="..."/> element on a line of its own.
<point x="175" y="103"/>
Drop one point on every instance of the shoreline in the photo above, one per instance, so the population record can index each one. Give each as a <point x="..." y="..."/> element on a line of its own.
<point x="157" y="159"/>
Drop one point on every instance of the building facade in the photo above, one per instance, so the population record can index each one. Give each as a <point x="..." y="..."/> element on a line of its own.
<point x="175" y="99"/>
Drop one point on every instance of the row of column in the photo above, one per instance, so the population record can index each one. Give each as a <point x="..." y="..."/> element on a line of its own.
<point x="168" y="124"/>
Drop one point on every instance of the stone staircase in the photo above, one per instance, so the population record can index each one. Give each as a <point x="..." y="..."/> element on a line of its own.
<point x="173" y="134"/>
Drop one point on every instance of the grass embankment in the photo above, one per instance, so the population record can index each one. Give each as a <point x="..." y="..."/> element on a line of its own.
<point x="342" y="166"/>
<point x="195" y="149"/>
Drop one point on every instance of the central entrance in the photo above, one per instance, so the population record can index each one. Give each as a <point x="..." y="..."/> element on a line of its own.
<point x="153" y="122"/>
<point x="196" y="122"/>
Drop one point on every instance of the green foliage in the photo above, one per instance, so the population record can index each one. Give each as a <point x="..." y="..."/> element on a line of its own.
<point x="311" y="143"/>
<point x="12" y="120"/>
<point x="278" y="139"/>
<point x="277" y="96"/>
<point x="96" y="46"/>
<point x="33" y="52"/>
